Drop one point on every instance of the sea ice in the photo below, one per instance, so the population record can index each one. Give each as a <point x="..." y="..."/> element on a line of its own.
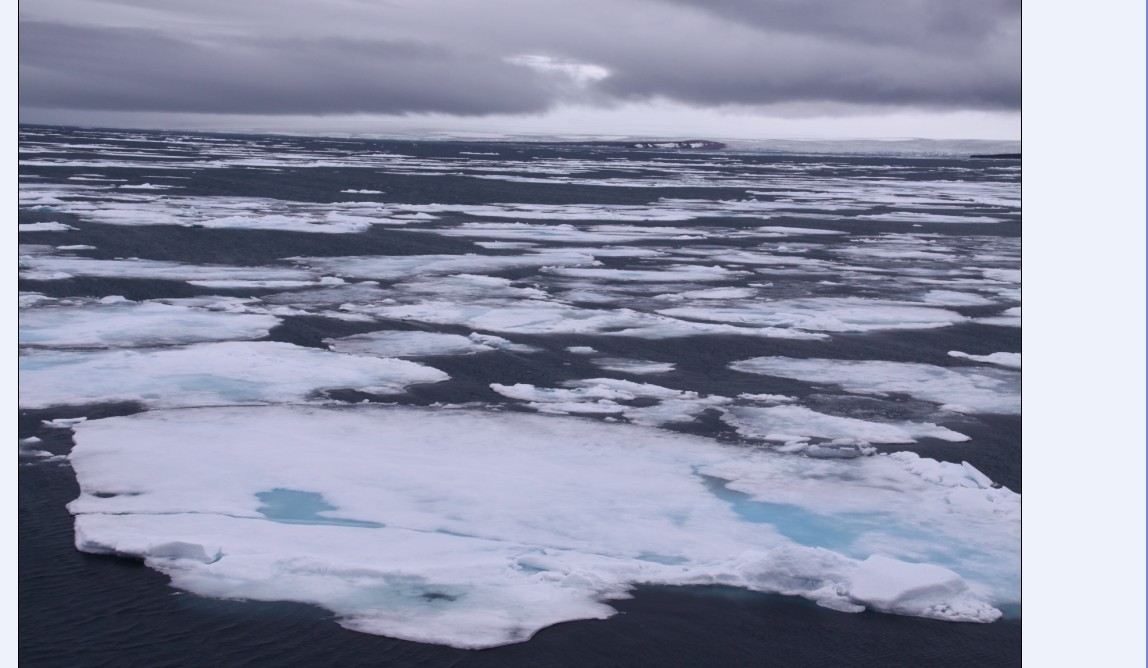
<point x="406" y="344"/>
<point x="843" y="314"/>
<point x="127" y="324"/>
<point x="66" y="267"/>
<point x="538" y="317"/>
<point x="44" y="227"/>
<point x="477" y="528"/>
<point x="960" y="389"/>
<point x="1009" y="318"/>
<point x="207" y="374"/>
<point x="1009" y="360"/>
<point x="786" y="424"/>
<point x="624" y="365"/>
<point x="398" y="267"/>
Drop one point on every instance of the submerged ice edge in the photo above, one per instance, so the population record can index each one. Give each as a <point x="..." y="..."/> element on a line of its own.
<point x="473" y="529"/>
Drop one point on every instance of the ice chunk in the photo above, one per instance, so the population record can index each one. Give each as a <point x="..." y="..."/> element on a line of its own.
<point x="602" y="396"/>
<point x="406" y="344"/>
<point x="954" y="298"/>
<point x="623" y="365"/>
<point x="45" y="227"/>
<point x="1009" y="318"/>
<point x="1010" y="360"/>
<point x="685" y="273"/>
<point x="923" y="590"/>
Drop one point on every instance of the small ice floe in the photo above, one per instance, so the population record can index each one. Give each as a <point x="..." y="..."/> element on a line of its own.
<point x="623" y="365"/>
<point x="767" y="398"/>
<point x="1009" y="318"/>
<point x="920" y="217"/>
<point x="828" y="314"/>
<point x="954" y="298"/>
<point x="790" y="424"/>
<point x="45" y="227"/>
<point x="28" y="450"/>
<point x="610" y="396"/>
<point x="959" y="389"/>
<point x="391" y="267"/>
<point x="540" y="317"/>
<point x="1009" y="360"/>
<point x="672" y="274"/>
<point x="406" y="344"/>
<point x="63" y="423"/>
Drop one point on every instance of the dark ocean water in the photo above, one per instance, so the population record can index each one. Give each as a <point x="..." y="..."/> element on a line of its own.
<point x="79" y="609"/>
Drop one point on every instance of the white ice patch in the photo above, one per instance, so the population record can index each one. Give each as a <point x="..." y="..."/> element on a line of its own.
<point x="960" y="389"/>
<point x="783" y="231"/>
<point x="396" y="267"/>
<point x="843" y="314"/>
<point x="623" y="365"/>
<point x="476" y="529"/>
<point x="126" y="324"/>
<point x="207" y="374"/>
<point x="714" y="293"/>
<point x="672" y="274"/>
<point x="918" y="217"/>
<point x="537" y="317"/>
<point x="784" y="424"/>
<point x="1010" y="360"/>
<point x="603" y="234"/>
<point x="1009" y="318"/>
<point x="602" y="396"/>
<point x="155" y="269"/>
<point x="406" y="344"/>
<point x="954" y="298"/>
<point x="45" y="227"/>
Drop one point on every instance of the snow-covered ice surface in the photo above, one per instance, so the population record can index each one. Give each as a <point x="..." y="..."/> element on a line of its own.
<point x="208" y="374"/>
<point x="476" y="529"/>
<point x="109" y="323"/>
<point x="457" y="392"/>
<point x="960" y="389"/>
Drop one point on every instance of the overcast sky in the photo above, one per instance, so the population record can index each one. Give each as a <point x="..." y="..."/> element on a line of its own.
<point x="716" y="68"/>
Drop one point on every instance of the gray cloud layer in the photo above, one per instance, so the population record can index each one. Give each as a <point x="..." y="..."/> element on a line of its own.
<point x="442" y="56"/>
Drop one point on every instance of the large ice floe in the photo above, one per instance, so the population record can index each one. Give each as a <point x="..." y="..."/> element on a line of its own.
<point x="115" y="322"/>
<point x="477" y="528"/>
<point x="207" y="374"/>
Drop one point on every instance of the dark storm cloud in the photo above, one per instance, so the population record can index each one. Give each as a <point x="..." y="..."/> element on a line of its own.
<point x="464" y="58"/>
<point x="907" y="53"/>
<point x="959" y="27"/>
<point x="139" y="70"/>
